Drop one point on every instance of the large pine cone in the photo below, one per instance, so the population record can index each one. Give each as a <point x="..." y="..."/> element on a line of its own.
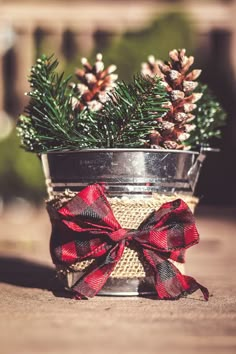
<point x="175" y="126"/>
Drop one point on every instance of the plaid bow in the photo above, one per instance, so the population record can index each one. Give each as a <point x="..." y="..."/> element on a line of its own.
<point x="85" y="228"/>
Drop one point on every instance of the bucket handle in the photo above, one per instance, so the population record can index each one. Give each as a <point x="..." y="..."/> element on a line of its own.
<point x="194" y="171"/>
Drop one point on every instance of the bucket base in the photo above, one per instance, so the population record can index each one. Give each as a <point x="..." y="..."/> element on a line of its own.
<point x="128" y="287"/>
<point x="114" y="286"/>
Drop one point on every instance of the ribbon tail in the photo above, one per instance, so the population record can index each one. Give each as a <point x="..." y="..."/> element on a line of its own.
<point x="190" y="285"/>
<point x="93" y="280"/>
<point x="169" y="282"/>
<point x="195" y="286"/>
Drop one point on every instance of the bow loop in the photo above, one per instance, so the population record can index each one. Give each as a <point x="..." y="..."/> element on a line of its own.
<point x="170" y="230"/>
<point x="86" y="228"/>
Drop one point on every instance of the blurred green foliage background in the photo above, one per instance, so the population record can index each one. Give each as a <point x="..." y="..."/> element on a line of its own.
<point x="130" y="49"/>
<point x="20" y="172"/>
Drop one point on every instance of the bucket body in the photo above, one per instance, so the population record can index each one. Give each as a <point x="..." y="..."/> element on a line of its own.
<point x="136" y="181"/>
<point x="131" y="173"/>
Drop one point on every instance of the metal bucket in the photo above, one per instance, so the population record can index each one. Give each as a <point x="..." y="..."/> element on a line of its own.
<point x="132" y="173"/>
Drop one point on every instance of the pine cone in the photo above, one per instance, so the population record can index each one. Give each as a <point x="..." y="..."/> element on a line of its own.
<point x="151" y="67"/>
<point x="174" y="126"/>
<point x="95" y="82"/>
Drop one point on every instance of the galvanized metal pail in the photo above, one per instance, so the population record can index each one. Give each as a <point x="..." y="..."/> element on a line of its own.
<point x="131" y="174"/>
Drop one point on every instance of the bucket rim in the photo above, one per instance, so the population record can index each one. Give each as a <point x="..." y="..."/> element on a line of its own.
<point x="120" y="150"/>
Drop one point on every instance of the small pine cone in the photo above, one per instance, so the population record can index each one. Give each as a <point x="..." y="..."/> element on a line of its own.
<point x="95" y="83"/>
<point x="151" y="67"/>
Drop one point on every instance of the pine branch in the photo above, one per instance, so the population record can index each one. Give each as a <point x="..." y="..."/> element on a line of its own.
<point x="46" y="117"/>
<point x="210" y="117"/>
<point x="50" y="122"/>
<point x="131" y="114"/>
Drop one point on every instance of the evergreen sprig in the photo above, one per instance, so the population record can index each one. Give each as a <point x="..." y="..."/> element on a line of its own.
<point x="210" y="118"/>
<point x="43" y="125"/>
<point x="132" y="111"/>
<point x="127" y="119"/>
<point x="51" y="123"/>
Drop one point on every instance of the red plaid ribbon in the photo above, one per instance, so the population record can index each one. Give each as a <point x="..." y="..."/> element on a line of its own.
<point x="85" y="228"/>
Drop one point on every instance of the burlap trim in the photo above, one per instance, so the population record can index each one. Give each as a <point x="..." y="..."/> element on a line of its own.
<point x="130" y="213"/>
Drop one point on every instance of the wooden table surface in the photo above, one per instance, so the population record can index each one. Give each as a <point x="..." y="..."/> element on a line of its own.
<point x="35" y="317"/>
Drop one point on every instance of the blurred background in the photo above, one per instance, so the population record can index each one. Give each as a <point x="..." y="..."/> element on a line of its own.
<point x="126" y="32"/>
